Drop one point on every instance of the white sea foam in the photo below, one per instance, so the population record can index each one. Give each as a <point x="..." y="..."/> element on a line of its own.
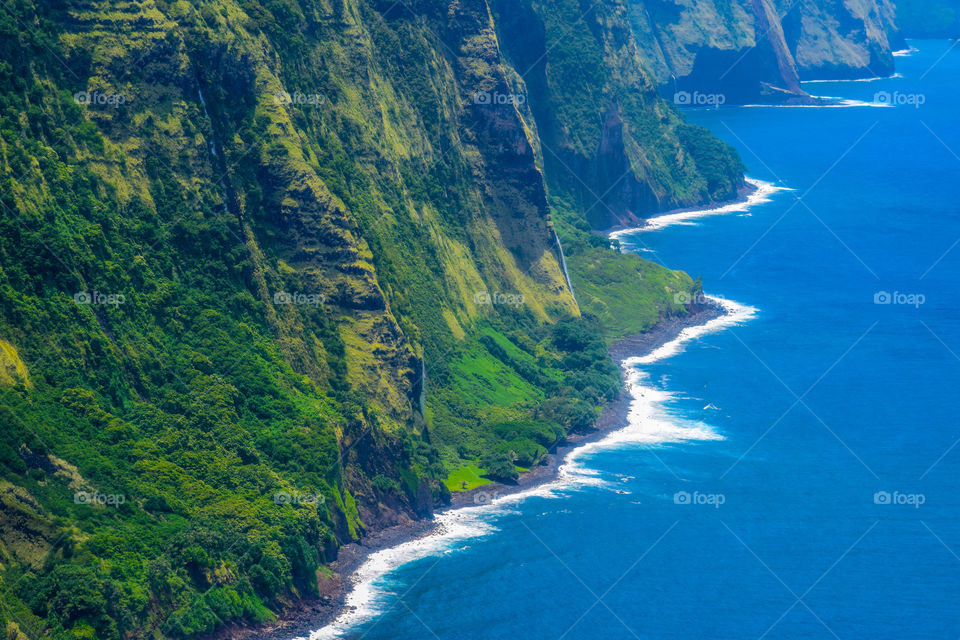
<point x="902" y="53"/>
<point x="370" y="597"/>
<point x="762" y="193"/>
<point x="648" y="423"/>
<point x="873" y="79"/>
<point x="838" y="103"/>
<point x="362" y="603"/>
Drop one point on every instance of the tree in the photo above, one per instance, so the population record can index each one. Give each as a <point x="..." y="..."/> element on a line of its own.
<point x="499" y="466"/>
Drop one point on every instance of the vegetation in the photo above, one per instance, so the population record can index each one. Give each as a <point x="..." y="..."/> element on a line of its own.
<point x="268" y="273"/>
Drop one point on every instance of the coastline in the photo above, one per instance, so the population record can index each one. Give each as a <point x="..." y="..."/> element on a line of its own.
<point x="358" y="564"/>
<point x="744" y="192"/>
<point x="353" y="572"/>
<point x="305" y="617"/>
<point x="613" y="417"/>
<point x="755" y="192"/>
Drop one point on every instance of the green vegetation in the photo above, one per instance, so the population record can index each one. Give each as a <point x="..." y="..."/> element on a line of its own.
<point x="268" y="272"/>
<point x="466" y="477"/>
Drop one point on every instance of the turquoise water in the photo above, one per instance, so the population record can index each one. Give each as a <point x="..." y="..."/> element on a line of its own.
<point x="808" y="486"/>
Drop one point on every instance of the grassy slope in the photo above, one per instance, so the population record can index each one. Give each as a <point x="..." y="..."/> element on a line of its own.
<point x="249" y="438"/>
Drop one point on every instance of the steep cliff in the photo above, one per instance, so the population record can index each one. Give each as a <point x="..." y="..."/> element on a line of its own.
<point x="610" y="148"/>
<point x="738" y="51"/>
<point x="848" y="39"/>
<point x="273" y="274"/>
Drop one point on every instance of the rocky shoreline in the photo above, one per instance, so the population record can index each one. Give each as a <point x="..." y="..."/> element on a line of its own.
<point x="303" y="616"/>
<point x="744" y="192"/>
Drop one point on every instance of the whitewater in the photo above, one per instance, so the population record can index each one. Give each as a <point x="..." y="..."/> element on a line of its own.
<point x="649" y="423"/>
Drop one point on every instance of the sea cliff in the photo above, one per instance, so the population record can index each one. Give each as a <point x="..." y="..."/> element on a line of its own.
<point x="277" y="275"/>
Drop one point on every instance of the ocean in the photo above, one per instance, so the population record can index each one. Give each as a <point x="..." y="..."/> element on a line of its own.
<point x="790" y="470"/>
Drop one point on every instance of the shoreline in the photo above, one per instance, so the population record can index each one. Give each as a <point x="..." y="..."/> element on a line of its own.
<point x="301" y="619"/>
<point x="744" y="192"/>
<point x="305" y="616"/>
<point x="753" y="193"/>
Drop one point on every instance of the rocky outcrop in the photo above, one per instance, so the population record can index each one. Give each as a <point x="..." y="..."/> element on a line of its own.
<point x="843" y="39"/>
<point x="607" y="143"/>
<point x="709" y="51"/>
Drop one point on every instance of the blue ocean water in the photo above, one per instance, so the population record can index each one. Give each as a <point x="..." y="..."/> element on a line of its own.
<point x="825" y="504"/>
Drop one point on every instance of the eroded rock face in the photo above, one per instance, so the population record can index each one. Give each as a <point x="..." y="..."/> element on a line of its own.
<point x="606" y="141"/>
<point x="760" y="50"/>
<point x="843" y="39"/>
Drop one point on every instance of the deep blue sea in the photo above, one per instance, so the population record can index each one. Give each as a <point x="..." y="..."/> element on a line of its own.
<point x="811" y="487"/>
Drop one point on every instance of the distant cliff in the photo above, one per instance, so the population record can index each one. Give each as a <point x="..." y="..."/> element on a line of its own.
<point x="760" y="50"/>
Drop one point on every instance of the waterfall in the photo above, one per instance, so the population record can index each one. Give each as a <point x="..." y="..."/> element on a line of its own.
<point x="220" y="162"/>
<point x="563" y="265"/>
<point x="206" y="114"/>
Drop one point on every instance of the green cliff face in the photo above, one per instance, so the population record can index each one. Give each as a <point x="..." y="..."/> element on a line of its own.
<point x="610" y="148"/>
<point x="273" y="274"/>
<point x="759" y="50"/>
<point x="850" y="39"/>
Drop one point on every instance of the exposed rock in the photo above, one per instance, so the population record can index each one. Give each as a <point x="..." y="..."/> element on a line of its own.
<point x="758" y="51"/>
